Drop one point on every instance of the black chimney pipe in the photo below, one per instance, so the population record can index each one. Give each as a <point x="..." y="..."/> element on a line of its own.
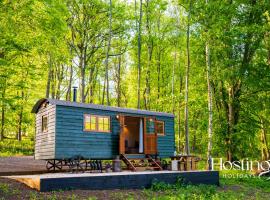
<point x="74" y="93"/>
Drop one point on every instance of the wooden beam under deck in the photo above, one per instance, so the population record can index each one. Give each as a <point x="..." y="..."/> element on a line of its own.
<point x="114" y="180"/>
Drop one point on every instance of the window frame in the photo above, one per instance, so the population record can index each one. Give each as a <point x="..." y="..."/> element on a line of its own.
<point x="47" y="123"/>
<point x="163" y="123"/>
<point x="97" y="118"/>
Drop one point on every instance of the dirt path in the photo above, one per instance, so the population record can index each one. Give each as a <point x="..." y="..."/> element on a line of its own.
<point x="21" y="165"/>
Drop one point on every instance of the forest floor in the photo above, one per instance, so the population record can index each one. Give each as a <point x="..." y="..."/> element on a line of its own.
<point x="230" y="188"/>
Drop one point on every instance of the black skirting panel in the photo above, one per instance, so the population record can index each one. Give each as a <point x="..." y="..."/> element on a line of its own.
<point x="127" y="181"/>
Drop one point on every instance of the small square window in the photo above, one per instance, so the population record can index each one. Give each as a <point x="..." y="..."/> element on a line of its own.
<point x="160" y="127"/>
<point x="44" y="123"/>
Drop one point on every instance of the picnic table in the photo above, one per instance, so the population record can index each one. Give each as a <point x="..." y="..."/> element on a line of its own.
<point x="186" y="162"/>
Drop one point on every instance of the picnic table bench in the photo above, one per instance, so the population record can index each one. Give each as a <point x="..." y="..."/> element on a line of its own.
<point x="186" y="162"/>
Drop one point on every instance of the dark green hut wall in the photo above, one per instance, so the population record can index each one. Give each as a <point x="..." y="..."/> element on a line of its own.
<point x="72" y="140"/>
<point x="166" y="143"/>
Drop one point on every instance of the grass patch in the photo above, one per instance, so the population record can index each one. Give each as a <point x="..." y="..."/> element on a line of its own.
<point x="237" y="187"/>
<point x="6" y="190"/>
<point x="244" y="179"/>
<point x="11" y="147"/>
<point x="120" y="196"/>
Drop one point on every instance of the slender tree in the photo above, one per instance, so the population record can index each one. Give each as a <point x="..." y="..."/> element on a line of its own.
<point x="173" y="76"/>
<point x="210" y="99"/>
<point x="106" y="81"/>
<point x="187" y="80"/>
<point x="139" y="57"/>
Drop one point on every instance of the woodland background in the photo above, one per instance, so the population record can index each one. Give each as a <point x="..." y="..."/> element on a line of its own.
<point x="206" y="61"/>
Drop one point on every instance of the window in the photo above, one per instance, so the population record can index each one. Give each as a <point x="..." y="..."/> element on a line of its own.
<point x="150" y="126"/>
<point x="103" y="124"/>
<point x="96" y="123"/>
<point x="160" y="127"/>
<point x="90" y="123"/>
<point x="44" y="124"/>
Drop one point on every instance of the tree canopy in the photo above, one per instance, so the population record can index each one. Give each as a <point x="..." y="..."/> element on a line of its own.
<point x="176" y="56"/>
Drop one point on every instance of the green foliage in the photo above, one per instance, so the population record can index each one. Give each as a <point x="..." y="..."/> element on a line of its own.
<point x="244" y="178"/>
<point x="33" y="195"/>
<point x="255" y="187"/>
<point x="6" y="190"/>
<point x="46" y="47"/>
<point x="161" y="186"/>
<point x="18" y="148"/>
<point x="120" y="195"/>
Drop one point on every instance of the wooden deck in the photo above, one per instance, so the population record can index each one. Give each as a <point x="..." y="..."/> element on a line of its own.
<point x="114" y="180"/>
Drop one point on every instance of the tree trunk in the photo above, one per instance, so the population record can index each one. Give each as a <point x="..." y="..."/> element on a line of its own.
<point x="179" y="114"/>
<point x="233" y="107"/>
<point x="92" y="82"/>
<point x="19" y="133"/>
<point x="2" y="123"/>
<point x="147" y="80"/>
<point x="53" y="82"/>
<point x="3" y="112"/>
<point x="264" y="142"/>
<point x="60" y="77"/>
<point x="173" y="74"/>
<point x="49" y="77"/>
<point x="195" y="127"/>
<point x="230" y="124"/>
<point x="68" y="94"/>
<point x="187" y="79"/>
<point x="150" y="44"/>
<point x="194" y="142"/>
<point x="82" y="68"/>
<point x="139" y="58"/>
<point x="119" y="82"/>
<point x="210" y="104"/>
<point x="83" y="85"/>
<point x="106" y="81"/>
<point x="158" y="75"/>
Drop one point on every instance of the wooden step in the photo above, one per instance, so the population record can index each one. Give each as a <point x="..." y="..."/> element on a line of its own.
<point x="134" y="156"/>
<point x="133" y="162"/>
<point x="145" y="168"/>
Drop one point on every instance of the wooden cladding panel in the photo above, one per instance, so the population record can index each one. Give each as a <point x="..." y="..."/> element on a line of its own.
<point x="45" y="141"/>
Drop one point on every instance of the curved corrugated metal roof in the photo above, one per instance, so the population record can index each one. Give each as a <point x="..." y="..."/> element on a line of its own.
<point x="98" y="107"/>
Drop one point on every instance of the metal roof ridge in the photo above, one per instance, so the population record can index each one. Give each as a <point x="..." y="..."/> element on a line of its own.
<point x="97" y="106"/>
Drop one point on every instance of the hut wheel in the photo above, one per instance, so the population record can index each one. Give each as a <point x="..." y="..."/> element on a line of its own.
<point x="77" y="163"/>
<point x="53" y="165"/>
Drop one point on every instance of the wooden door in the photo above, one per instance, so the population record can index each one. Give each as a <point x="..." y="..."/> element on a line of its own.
<point x="150" y="137"/>
<point x="122" y="135"/>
